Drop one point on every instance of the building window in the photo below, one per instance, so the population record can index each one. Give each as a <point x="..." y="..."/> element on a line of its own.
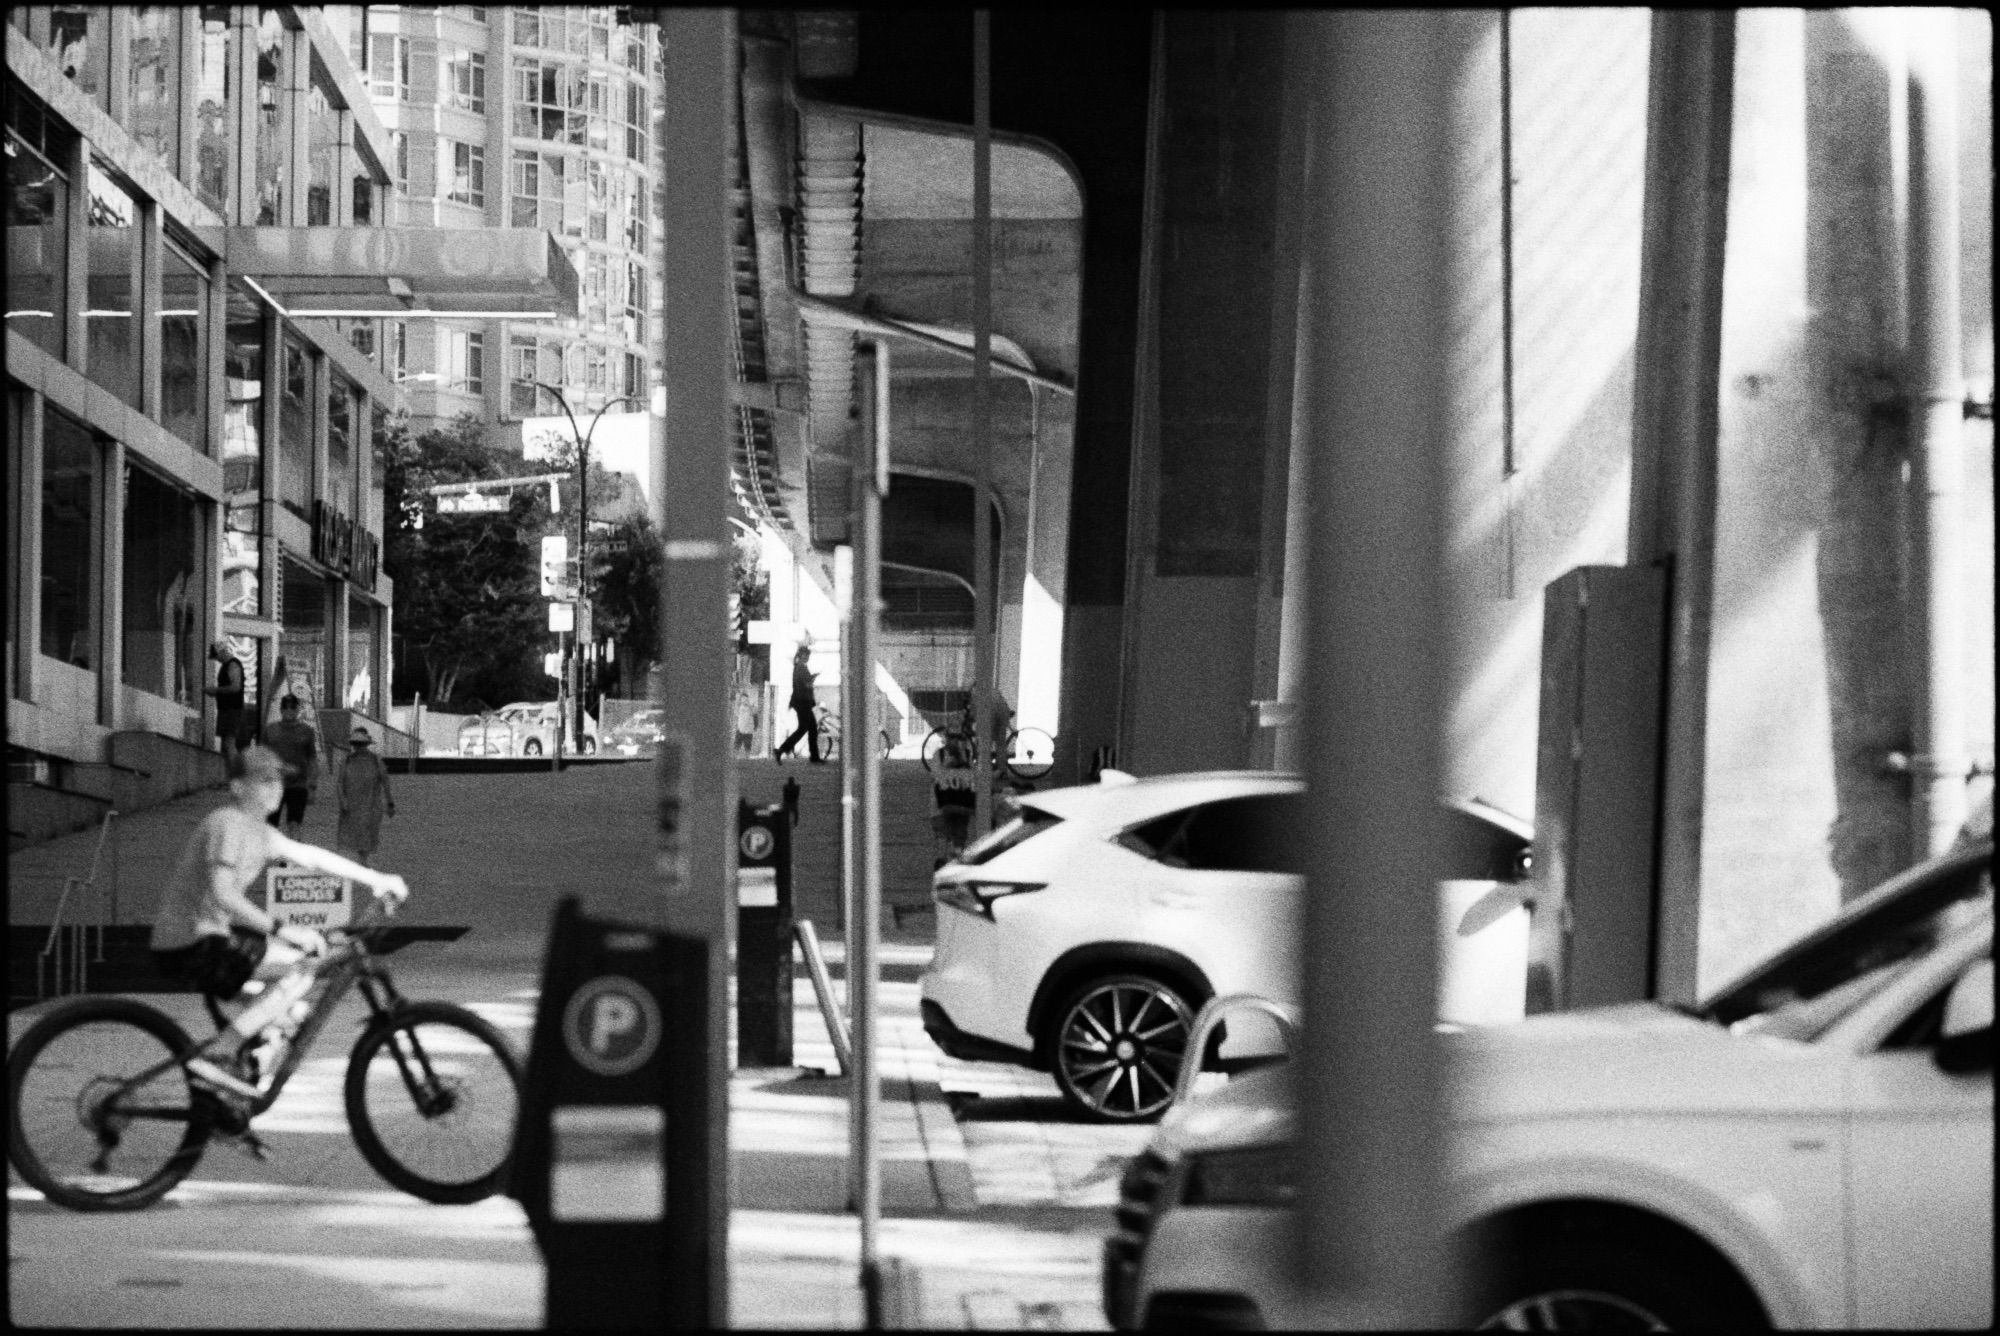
<point x="322" y="155"/>
<point x="303" y="638"/>
<point x="161" y="603"/>
<point x="150" y="110"/>
<point x="468" y="80"/>
<point x="79" y="40"/>
<point x="184" y="307"/>
<point x="364" y="201"/>
<point x="389" y="68"/>
<point x="398" y="332"/>
<point x="116" y="281"/>
<point x="462" y="361"/>
<point x="70" y="457"/>
<point x="468" y="174"/>
<point x="361" y="639"/>
<point x="635" y="122"/>
<point x="550" y="102"/>
<point x="37" y="223"/>
<point x="635" y="375"/>
<point x="274" y="148"/>
<point x="295" y="431"/>
<point x="549" y="192"/>
<point x="243" y="456"/>
<point x="212" y="103"/>
<point x="361" y="336"/>
<point x="341" y="402"/>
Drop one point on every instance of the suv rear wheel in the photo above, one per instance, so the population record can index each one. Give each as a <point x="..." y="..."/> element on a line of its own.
<point x="1610" y="1284"/>
<point x="1118" y="1043"/>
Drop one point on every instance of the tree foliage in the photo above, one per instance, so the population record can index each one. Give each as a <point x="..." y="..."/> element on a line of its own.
<point x="467" y="586"/>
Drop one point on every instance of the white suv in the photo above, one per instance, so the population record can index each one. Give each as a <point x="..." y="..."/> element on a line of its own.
<point x="1083" y="936"/>
<point x="1810" y="1147"/>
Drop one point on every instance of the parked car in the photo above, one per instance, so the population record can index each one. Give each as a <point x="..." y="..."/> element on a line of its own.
<point x="1081" y="937"/>
<point x="525" y="728"/>
<point x="1811" y="1146"/>
<point x="638" y="736"/>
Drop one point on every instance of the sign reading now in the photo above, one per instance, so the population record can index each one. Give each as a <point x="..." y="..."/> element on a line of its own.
<point x="308" y="899"/>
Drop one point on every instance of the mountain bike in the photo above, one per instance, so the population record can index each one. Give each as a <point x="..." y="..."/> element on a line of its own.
<point x="1025" y="753"/>
<point x="105" y="1116"/>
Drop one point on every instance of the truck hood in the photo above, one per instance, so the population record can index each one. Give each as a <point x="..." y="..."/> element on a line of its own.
<point x="1637" y="1058"/>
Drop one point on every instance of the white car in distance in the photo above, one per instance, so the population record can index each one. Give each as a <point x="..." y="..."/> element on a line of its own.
<point x="1812" y="1146"/>
<point x="1082" y="937"/>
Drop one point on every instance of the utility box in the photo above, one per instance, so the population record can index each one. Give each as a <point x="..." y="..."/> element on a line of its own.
<point x="764" y="966"/>
<point x="1597" y="785"/>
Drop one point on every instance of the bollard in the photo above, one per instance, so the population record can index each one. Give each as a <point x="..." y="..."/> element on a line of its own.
<point x="614" y="1126"/>
<point x="763" y="936"/>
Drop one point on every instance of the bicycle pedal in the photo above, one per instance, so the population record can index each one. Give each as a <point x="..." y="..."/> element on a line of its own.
<point x="249" y="1143"/>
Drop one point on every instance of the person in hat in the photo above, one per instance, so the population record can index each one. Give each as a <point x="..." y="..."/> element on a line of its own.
<point x="297" y="745"/>
<point x="209" y="934"/>
<point x="364" y="796"/>
<point x="230" y="716"/>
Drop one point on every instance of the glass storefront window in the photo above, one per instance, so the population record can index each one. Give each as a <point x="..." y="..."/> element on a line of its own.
<point x="295" y="424"/>
<point x="37" y="223"/>
<point x="243" y="458"/>
<point x="273" y="120"/>
<point x="303" y="639"/>
<point x="322" y="155"/>
<point x="339" y="453"/>
<point x="161" y="603"/>
<point x="115" y="283"/>
<point x="79" y="41"/>
<point x="213" y="98"/>
<point x="184" y="306"/>
<point x="360" y="680"/>
<point x="149" y="104"/>
<point x="69" y="540"/>
<point x="249" y="651"/>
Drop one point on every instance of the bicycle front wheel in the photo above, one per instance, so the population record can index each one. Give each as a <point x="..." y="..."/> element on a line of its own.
<point x="433" y="1094"/>
<point x="101" y="1114"/>
<point x="1030" y="753"/>
<point x="935" y="743"/>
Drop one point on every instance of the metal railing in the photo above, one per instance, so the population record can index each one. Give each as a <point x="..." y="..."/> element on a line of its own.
<point x="829" y="1006"/>
<point x="1285" y="1015"/>
<point x="65" y="957"/>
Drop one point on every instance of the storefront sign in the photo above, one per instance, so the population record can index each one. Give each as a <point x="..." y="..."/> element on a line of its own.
<point x="343" y="546"/>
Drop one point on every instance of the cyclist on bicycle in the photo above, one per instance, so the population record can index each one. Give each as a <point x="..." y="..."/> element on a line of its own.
<point x="208" y="932"/>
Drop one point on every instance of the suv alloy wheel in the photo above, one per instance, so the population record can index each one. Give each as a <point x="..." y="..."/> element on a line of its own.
<point x="1117" y="1046"/>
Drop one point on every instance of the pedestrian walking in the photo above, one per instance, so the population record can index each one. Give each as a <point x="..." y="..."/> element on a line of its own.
<point x="364" y="796"/>
<point x="228" y="693"/>
<point x="805" y="707"/>
<point x="297" y="745"/>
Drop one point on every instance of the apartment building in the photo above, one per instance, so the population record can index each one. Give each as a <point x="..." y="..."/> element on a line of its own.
<point x="199" y="240"/>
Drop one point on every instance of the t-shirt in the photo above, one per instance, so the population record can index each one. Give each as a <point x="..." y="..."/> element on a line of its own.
<point x="229" y="838"/>
<point x="295" y="744"/>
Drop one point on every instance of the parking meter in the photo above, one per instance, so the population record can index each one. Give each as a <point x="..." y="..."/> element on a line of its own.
<point x="763" y="936"/>
<point x="612" y="1119"/>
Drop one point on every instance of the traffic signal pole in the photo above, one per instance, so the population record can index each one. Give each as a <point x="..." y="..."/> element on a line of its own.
<point x="697" y="799"/>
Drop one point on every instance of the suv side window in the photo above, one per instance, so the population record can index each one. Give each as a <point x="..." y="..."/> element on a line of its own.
<point x="1252" y="834"/>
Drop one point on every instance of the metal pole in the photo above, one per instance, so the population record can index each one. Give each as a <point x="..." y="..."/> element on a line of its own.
<point x="871" y="485"/>
<point x="1939" y="764"/>
<point x="983" y="608"/>
<point x="1370" y="1252"/>
<point x="697" y="784"/>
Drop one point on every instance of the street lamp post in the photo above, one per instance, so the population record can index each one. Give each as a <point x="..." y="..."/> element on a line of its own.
<point x="579" y="643"/>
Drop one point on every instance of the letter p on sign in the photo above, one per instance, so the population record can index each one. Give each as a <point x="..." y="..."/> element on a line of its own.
<point x="611" y="1025"/>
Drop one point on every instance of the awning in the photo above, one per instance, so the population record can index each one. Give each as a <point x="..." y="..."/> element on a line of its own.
<point x="501" y="272"/>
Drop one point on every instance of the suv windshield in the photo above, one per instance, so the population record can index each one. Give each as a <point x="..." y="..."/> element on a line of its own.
<point x="1804" y="989"/>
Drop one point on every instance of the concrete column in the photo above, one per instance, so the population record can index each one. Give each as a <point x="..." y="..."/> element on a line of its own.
<point x="294" y="80"/>
<point x="146" y="310"/>
<point x="188" y="59"/>
<point x="243" y="143"/>
<point x="117" y="65"/>
<point x="76" y="334"/>
<point x="25" y="596"/>
<point x="111" y="582"/>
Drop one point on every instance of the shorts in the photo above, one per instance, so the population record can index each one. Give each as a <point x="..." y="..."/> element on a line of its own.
<point x="230" y="724"/>
<point x="219" y="966"/>
<point x="293" y="808"/>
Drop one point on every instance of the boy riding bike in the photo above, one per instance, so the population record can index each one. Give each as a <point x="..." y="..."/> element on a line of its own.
<point x="210" y="934"/>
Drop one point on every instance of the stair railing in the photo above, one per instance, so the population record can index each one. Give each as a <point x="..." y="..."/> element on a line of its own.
<point x="65" y="955"/>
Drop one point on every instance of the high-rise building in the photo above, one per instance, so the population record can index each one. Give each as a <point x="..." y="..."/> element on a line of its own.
<point x="519" y="117"/>
<point x="201" y="234"/>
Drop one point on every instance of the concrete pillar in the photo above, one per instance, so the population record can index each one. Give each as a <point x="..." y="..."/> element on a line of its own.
<point x="110" y="582"/>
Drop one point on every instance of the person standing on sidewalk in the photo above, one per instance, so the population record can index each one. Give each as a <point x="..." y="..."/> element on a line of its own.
<point x="228" y="693"/>
<point x="297" y="745"/>
<point x="364" y="796"/>
<point x="804" y="706"/>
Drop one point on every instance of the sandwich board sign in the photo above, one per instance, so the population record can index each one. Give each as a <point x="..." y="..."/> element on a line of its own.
<point x="307" y="899"/>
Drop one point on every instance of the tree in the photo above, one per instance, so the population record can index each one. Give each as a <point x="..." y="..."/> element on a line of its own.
<point x="625" y="575"/>
<point x="467" y="586"/>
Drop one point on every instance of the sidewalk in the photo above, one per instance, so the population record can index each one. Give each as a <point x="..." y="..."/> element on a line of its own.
<point x="314" y="1239"/>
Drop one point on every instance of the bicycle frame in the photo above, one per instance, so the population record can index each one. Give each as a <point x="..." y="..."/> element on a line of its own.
<point x="334" y="975"/>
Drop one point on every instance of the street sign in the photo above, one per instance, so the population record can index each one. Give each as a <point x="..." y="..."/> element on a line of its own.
<point x="471" y="503"/>
<point x="555" y="566"/>
<point x="562" y="616"/>
<point x="308" y="899"/>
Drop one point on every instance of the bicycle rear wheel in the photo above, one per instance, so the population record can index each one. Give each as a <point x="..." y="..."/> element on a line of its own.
<point x="433" y="1093"/>
<point x="77" y="1132"/>
<point x="935" y="743"/>
<point x="1030" y="753"/>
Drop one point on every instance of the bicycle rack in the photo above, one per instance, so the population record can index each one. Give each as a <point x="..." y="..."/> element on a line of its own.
<point x="1286" y="1016"/>
<point x="67" y="945"/>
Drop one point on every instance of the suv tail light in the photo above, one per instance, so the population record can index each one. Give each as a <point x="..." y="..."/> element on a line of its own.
<point x="977" y="897"/>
